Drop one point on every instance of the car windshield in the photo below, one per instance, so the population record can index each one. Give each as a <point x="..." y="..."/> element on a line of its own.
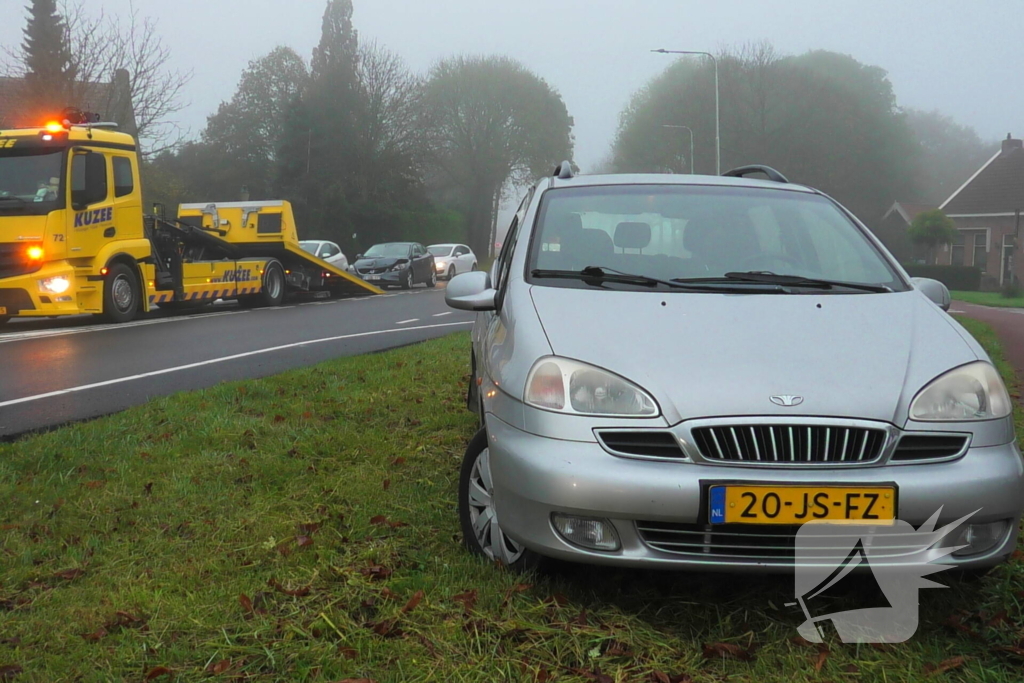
<point x="393" y="250"/>
<point x="309" y="247"/>
<point x="30" y="180"/>
<point x="440" y="251"/>
<point x="690" y="232"/>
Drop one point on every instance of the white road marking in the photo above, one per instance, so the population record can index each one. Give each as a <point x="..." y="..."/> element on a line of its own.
<point x="441" y="315"/>
<point x="960" y="312"/>
<point x="406" y="322"/>
<point x="225" y="359"/>
<point x="36" y="334"/>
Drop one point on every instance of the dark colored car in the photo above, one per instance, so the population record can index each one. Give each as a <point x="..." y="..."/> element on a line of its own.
<point x="401" y="264"/>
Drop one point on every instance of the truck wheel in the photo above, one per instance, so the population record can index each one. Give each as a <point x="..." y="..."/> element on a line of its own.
<point x="273" y="285"/>
<point x="432" y="281"/>
<point x="121" y="294"/>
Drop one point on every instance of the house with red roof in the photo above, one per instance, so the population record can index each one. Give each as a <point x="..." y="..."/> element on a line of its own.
<point x="987" y="213"/>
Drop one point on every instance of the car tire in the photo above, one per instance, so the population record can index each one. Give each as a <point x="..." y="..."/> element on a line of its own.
<point x="451" y="272"/>
<point x="432" y="282"/>
<point x="474" y="267"/>
<point x="481" y="531"/>
<point x="407" y="281"/>
<point x="121" y="296"/>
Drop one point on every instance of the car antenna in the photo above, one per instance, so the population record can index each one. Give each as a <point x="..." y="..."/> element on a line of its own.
<point x="564" y="171"/>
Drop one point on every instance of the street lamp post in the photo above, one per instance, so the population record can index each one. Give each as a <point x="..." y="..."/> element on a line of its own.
<point x="718" y="120"/>
<point x="690" y="131"/>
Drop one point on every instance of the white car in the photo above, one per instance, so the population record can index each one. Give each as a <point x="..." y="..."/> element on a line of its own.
<point x="326" y="251"/>
<point x="452" y="259"/>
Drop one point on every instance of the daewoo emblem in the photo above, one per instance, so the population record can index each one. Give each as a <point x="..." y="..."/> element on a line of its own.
<point x="787" y="401"/>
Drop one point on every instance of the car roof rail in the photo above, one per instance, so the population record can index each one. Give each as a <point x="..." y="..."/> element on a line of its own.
<point x="744" y="171"/>
<point x="564" y="171"/>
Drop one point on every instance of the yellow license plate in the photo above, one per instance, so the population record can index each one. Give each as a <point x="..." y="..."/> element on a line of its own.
<point x="794" y="505"/>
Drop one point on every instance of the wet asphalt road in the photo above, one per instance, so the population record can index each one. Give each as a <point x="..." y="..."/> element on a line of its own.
<point x="61" y="370"/>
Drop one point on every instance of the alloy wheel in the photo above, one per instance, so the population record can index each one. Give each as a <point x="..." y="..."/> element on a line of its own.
<point x="122" y="293"/>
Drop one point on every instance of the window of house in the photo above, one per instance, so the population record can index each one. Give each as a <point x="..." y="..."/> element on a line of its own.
<point x="980" y="250"/>
<point x="957" y="257"/>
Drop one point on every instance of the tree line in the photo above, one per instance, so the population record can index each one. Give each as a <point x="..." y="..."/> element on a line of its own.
<point x="366" y="150"/>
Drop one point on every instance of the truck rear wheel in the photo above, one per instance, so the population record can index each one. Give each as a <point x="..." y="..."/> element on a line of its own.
<point x="121" y="294"/>
<point x="273" y="285"/>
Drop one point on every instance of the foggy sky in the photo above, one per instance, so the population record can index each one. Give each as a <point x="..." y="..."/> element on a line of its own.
<point x="960" y="57"/>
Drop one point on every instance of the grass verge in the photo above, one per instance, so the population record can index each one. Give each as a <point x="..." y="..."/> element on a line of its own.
<point x="995" y="299"/>
<point x="303" y="528"/>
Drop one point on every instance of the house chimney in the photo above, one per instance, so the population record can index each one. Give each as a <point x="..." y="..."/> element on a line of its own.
<point x="1009" y="144"/>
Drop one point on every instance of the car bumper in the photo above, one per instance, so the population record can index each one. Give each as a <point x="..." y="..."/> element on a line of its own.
<point x="536" y="476"/>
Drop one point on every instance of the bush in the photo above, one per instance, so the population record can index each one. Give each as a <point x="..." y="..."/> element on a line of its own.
<point x="1012" y="290"/>
<point x="959" y="278"/>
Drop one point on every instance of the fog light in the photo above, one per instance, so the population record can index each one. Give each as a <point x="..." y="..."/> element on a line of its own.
<point x="979" y="538"/>
<point x="55" y="285"/>
<point x="586" y="532"/>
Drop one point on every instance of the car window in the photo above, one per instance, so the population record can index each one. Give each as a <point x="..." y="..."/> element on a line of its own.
<point x="440" y="251"/>
<point x="461" y="251"/>
<point x="309" y="247"/>
<point x="330" y="250"/>
<point x="388" y="250"/>
<point x="508" y="248"/>
<point x="124" y="181"/>
<point x="686" y="231"/>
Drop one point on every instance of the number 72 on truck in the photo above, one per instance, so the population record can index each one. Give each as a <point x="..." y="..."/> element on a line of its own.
<point x="74" y="239"/>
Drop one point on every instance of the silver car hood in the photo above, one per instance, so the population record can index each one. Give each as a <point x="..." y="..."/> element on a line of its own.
<point x="713" y="355"/>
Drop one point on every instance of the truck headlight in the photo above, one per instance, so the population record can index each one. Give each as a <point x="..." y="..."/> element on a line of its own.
<point x="568" y="386"/>
<point x="971" y="392"/>
<point x="55" y="285"/>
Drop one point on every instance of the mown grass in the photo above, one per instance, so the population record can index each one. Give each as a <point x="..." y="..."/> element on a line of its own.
<point x="303" y="528"/>
<point x="989" y="299"/>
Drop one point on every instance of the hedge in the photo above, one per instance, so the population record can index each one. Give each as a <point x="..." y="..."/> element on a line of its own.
<point x="960" y="278"/>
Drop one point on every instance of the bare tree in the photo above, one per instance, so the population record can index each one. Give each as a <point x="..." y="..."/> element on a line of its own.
<point x="130" y="54"/>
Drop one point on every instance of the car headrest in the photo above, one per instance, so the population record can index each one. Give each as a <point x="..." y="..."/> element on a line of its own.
<point x="596" y="246"/>
<point x="568" y="225"/>
<point x="632" y="235"/>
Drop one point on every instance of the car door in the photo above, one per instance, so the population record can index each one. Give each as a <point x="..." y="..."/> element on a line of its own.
<point x="422" y="262"/>
<point x="466" y="259"/>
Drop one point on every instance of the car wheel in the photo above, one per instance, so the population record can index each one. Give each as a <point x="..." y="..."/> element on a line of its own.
<point x="474" y="267"/>
<point x="451" y="272"/>
<point x="120" y="294"/>
<point x="481" y="530"/>
<point x="407" y="280"/>
<point x="432" y="282"/>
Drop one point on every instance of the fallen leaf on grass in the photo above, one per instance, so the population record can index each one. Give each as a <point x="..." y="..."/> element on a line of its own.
<point x="99" y="483"/>
<point x="944" y="666"/>
<point x="123" y="620"/>
<point x="9" y="671"/>
<point x="376" y="572"/>
<point x="387" y="484"/>
<point x="414" y="601"/>
<point x="1011" y="650"/>
<point x="398" y="461"/>
<point x="518" y="588"/>
<point x="300" y="592"/>
<point x="278" y="419"/>
<point x="309" y="528"/>
<point x="69" y="574"/>
<point x="999" y="619"/>
<point x="348" y="652"/>
<point x="386" y="629"/>
<point x="594" y="675"/>
<point x="157" y="672"/>
<point x="246" y="603"/>
<point x="617" y="649"/>
<point x="95" y="635"/>
<point x="218" y="668"/>
<point x="468" y="600"/>
<point x="728" y="651"/>
<point x="662" y="677"/>
<point x="819" y="664"/>
<point x="303" y="541"/>
<point x="381" y="520"/>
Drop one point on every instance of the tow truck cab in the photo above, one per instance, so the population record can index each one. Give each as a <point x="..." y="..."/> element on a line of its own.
<point x="70" y="209"/>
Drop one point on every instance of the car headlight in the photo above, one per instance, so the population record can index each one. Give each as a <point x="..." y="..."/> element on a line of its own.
<point x="568" y="386"/>
<point x="399" y="266"/>
<point x="970" y="392"/>
<point x="55" y="285"/>
<point x="440" y="265"/>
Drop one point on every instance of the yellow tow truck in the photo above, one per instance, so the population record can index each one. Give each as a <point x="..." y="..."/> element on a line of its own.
<point x="74" y="238"/>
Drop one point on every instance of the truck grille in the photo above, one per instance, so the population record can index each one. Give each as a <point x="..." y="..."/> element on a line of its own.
<point x="13" y="261"/>
<point x="756" y="542"/>
<point x="790" y="444"/>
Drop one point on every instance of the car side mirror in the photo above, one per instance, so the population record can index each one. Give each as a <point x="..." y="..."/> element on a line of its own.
<point x="934" y="290"/>
<point x="471" y="292"/>
<point x="358" y="256"/>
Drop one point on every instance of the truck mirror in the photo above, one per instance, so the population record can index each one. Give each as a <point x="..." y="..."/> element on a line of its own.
<point x="88" y="179"/>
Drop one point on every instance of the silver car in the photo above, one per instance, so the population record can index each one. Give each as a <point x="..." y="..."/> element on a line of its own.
<point x="680" y="371"/>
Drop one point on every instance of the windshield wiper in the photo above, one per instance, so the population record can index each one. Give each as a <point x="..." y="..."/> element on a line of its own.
<point x="604" y="274"/>
<point x="767" y="277"/>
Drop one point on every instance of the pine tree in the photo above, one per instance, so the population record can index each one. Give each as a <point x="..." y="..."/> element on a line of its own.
<point x="49" y="66"/>
<point x="338" y="51"/>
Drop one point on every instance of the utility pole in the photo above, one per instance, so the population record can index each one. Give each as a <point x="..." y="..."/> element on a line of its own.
<point x="718" y="117"/>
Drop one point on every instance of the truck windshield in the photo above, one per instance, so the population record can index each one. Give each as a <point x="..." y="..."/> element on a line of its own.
<point x="30" y="180"/>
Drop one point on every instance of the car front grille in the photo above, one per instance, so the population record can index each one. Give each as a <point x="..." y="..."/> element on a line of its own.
<point x="756" y="542"/>
<point x="789" y="444"/>
<point x="14" y="262"/>
<point x="924" y="447"/>
<point x="641" y="443"/>
<point x="371" y="271"/>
